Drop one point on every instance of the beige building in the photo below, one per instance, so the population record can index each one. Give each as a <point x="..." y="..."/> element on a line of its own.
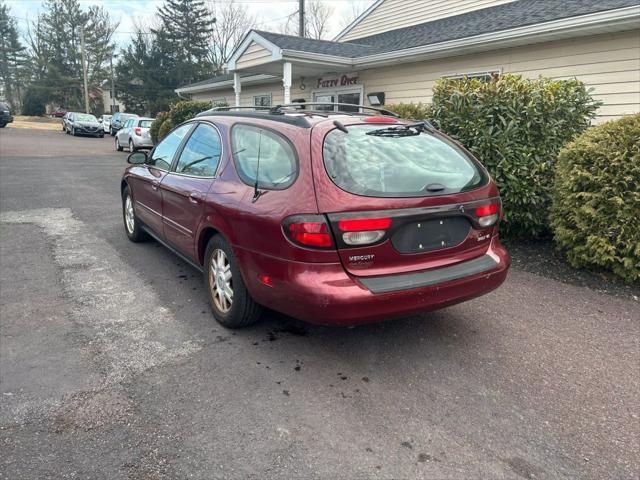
<point x="396" y="50"/>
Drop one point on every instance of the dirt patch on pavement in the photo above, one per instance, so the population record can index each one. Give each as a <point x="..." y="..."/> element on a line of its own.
<point x="88" y="410"/>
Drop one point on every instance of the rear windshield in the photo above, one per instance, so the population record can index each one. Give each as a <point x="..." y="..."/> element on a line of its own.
<point x="145" y="123"/>
<point x="127" y="116"/>
<point x="420" y="164"/>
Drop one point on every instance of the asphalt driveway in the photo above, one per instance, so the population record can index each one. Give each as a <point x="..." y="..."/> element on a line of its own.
<point x="111" y="366"/>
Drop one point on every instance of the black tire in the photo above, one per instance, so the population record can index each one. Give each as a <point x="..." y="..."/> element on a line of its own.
<point x="131" y="147"/>
<point x="135" y="234"/>
<point x="2" y="125"/>
<point x="243" y="311"/>
<point x="101" y="136"/>
<point x="73" y="131"/>
<point x="118" y="146"/>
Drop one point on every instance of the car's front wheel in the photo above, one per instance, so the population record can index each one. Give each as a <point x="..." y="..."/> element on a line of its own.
<point x="131" y="223"/>
<point x="73" y="131"/>
<point x="230" y="300"/>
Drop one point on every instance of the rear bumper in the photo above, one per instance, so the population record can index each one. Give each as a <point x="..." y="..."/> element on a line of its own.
<point x="140" y="142"/>
<point x="325" y="294"/>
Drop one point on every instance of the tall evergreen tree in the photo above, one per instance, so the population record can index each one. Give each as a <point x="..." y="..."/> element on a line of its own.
<point x="187" y="28"/>
<point x="55" y="49"/>
<point x="13" y="60"/>
<point x="147" y="73"/>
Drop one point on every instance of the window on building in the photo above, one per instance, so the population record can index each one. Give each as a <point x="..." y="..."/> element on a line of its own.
<point x="482" y="76"/>
<point x="262" y="100"/>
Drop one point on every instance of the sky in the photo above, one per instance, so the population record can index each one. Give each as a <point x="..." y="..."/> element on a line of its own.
<point x="270" y="13"/>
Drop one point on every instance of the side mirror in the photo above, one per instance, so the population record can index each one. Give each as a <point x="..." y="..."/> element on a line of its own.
<point x="137" y="158"/>
<point x="100" y="120"/>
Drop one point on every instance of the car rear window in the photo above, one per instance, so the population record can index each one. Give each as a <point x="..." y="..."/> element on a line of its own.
<point x="145" y="123"/>
<point x="364" y="162"/>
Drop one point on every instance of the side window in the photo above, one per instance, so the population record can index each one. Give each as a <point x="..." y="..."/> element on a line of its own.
<point x="201" y="153"/>
<point x="162" y="155"/>
<point x="278" y="166"/>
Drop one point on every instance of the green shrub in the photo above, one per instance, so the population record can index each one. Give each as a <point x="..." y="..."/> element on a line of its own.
<point x="34" y="101"/>
<point x="515" y="127"/>
<point x="596" y="200"/>
<point x="165" y="128"/>
<point x="156" y="124"/>
<point x="186" y="109"/>
<point x="178" y="112"/>
<point x="415" y="111"/>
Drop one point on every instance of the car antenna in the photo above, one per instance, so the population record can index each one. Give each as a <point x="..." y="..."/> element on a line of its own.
<point x="257" y="193"/>
<point x="340" y="126"/>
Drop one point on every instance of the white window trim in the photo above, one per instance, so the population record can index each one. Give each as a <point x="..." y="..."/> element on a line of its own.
<point x="476" y="74"/>
<point x="267" y="94"/>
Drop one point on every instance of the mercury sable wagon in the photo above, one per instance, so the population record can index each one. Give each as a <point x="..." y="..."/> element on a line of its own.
<point x="336" y="218"/>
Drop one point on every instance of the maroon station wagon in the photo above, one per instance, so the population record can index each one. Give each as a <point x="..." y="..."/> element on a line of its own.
<point x="336" y="218"/>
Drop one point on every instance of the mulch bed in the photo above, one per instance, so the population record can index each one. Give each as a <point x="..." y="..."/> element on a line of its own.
<point x="540" y="257"/>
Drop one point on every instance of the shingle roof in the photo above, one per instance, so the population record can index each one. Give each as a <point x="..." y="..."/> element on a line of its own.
<point x="493" y="19"/>
<point x="327" y="47"/>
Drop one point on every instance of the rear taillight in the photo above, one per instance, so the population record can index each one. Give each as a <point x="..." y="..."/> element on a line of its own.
<point x="363" y="231"/>
<point x="308" y="231"/>
<point x="138" y="131"/>
<point x="488" y="215"/>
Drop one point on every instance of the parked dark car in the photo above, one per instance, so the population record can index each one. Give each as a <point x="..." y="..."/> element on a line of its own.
<point x="331" y="217"/>
<point x="5" y="114"/>
<point x="118" y="120"/>
<point x="59" y="112"/>
<point x="76" y="123"/>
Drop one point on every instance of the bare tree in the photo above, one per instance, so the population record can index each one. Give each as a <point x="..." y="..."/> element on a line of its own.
<point x="316" y="20"/>
<point x="231" y="23"/>
<point x="357" y="8"/>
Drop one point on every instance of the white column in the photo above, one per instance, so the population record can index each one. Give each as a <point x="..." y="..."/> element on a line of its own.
<point x="286" y="81"/>
<point x="237" y="87"/>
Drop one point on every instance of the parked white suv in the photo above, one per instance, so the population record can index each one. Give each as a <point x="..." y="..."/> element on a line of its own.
<point x="134" y="134"/>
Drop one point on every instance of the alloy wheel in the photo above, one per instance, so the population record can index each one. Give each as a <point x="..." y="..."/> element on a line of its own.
<point x="220" y="281"/>
<point x="130" y="219"/>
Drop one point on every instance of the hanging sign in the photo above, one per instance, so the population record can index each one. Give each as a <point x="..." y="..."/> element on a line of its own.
<point x="344" y="80"/>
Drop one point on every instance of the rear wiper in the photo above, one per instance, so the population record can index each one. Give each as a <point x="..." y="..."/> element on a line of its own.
<point x="409" y="130"/>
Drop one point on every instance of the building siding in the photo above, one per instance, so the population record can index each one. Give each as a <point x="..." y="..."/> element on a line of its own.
<point x="254" y="55"/>
<point x="393" y="14"/>
<point x="609" y="64"/>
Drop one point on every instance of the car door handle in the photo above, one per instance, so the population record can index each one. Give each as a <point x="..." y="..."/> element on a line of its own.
<point x="155" y="184"/>
<point x="195" y="197"/>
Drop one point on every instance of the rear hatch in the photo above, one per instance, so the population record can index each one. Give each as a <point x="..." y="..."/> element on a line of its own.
<point x="401" y="198"/>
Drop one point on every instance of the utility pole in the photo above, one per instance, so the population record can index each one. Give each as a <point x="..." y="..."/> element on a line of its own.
<point x="113" y="88"/>
<point x="301" y="18"/>
<point x="84" y="73"/>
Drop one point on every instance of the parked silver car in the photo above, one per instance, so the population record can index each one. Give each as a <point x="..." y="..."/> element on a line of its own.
<point x="134" y="134"/>
<point x="105" y="120"/>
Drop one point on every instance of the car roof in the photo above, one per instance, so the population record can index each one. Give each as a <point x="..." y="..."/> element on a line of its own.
<point x="300" y="115"/>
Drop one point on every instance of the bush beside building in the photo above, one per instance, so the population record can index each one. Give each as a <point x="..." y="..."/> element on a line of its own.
<point x="596" y="199"/>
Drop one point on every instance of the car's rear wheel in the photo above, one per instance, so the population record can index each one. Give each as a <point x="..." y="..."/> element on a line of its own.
<point x="131" y="147"/>
<point x="230" y="300"/>
<point x="118" y="146"/>
<point x="131" y="223"/>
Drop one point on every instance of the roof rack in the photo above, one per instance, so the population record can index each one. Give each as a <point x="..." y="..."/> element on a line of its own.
<point x="296" y="107"/>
